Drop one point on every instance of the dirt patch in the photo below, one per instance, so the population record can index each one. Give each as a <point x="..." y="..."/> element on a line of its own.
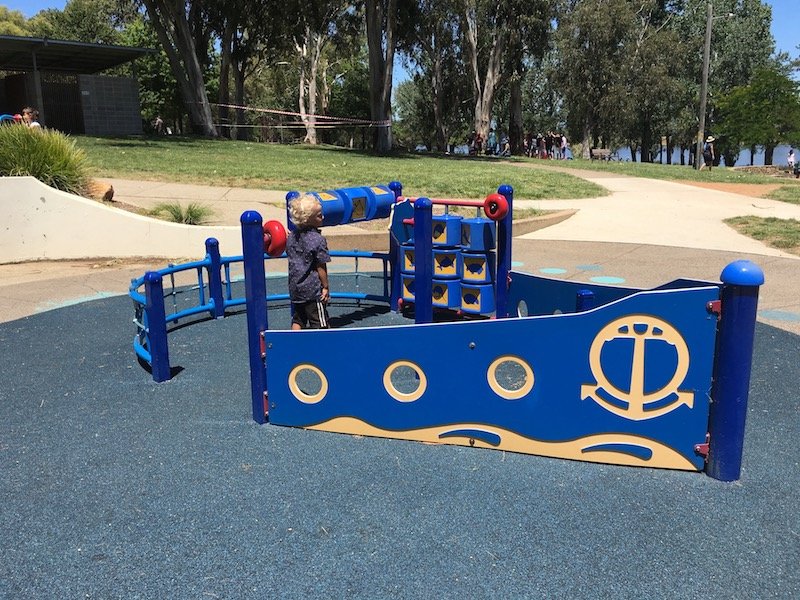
<point x="754" y="190"/>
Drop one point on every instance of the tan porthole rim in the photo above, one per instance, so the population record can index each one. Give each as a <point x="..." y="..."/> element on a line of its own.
<point x="397" y="394"/>
<point x="300" y="394"/>
<point x="491" y="376"/>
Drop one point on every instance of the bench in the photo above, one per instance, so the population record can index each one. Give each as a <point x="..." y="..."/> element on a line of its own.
<point x="600" y="154"/>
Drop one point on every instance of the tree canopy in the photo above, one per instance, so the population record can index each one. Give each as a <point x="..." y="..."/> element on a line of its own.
<point x="606" y="72"/>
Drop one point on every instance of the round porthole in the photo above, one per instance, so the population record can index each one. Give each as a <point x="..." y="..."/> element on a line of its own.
<point x="522" y="309"/>
<point x="308" y="383"/>
<point x="510" y="377"/>
<point x="404" y="381"/>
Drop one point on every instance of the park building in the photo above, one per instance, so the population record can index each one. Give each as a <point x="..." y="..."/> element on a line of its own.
<point x="64" y="81"/>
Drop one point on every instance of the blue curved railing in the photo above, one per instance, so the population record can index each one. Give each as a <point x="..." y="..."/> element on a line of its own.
<point x="214" y="295"/>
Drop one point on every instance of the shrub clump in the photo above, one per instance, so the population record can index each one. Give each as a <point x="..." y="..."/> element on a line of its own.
<point x="46" y="154"/>
<point x="194" y="214"/>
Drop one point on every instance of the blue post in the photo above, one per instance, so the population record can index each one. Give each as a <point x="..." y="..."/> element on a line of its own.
<point x="289" y="197"/>
<point x="741" y="280"/>
<point x="214" y="271"/>
<point x="504" y="253"/>
<point x="397" y="188"/>
<point x="394" y="256"/>
<point x="584" y="300"/>
<point x="255" y="288"/>
<point x="156" y="326"/>
<point x="423" y="260"/>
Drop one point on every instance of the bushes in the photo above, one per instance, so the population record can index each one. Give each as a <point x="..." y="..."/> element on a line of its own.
<point x="194" y="214"/>
<point x="46" y="154"/>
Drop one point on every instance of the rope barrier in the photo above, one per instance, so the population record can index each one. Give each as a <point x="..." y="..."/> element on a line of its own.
<point x="290" y="125"/>
<point x="344" y="120"/>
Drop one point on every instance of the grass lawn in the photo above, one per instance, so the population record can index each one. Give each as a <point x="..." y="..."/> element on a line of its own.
<point x="666" y="172"/>
<point x="787" y="193"/>
<point x="272" y="166"/>
<point x="778" y="233"/>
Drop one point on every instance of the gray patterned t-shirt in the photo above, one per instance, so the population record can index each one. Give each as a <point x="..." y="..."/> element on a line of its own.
<point x="306" y="249"/>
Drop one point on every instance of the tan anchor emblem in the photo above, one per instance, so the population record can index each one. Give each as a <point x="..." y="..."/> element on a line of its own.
<point x="633" y="404"/>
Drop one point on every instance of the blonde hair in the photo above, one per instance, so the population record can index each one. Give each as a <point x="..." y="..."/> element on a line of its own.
<point x="301" y="209"/>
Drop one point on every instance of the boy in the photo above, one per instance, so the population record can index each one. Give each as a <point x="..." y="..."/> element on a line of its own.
<point x="307" y="253"/>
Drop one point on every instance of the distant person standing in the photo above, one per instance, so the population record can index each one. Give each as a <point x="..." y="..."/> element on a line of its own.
<point x="708" y="153"/>
<point x="158" y="125"/>
<point x="491" y="143"/>
<point x="794" y="166"/>
<point x="30" y="117"/>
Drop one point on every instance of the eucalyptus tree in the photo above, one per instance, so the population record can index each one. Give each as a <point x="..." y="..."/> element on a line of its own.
<point x="381" y="23"/>
<point x="429" y="38"/>
<point x="159" y="94"/>
<point x="184" y="32"/>
<point x="485" y="29"/>
<point x="249" y="35"/>
<point x="590" y="40"/>
<point x="528" y="42"/>
<point x="13" y="22"/>
<point x="324" y="26"/>
<point x="94" y="21"/>
<point x="349" y="95"/>
<point x="650" y="76"/>
<point x="741" y="43"/>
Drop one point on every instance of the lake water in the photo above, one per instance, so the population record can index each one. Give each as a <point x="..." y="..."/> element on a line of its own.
<point x="778" y="157"/>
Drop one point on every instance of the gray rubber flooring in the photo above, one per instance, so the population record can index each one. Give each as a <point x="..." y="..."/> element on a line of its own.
<point x="112" y="486"/>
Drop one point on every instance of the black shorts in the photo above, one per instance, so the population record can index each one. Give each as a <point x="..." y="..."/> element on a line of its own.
<point x="311" y="315"/>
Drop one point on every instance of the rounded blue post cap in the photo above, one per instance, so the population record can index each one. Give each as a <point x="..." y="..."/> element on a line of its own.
<point x="212" y="241"/>
<point x="396" y="187"/>
<point x="250" y="217"/>
<point x="742" y="272"/>
<point x="292" y="195"/>
<point x="505" y="189"/>
<point x="424" y="203"/>
<point x="152" y="276"/>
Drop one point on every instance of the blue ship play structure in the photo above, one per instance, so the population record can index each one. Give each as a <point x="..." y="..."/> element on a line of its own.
<point x="494" y="358"/>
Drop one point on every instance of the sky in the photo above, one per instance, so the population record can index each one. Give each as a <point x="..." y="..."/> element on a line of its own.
<point x="785" y="14"/>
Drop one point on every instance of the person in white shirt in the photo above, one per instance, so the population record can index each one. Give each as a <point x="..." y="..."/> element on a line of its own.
<point x="30" y="116"/>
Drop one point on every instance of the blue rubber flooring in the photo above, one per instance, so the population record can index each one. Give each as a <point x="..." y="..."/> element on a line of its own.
<point x="112" y="486"/>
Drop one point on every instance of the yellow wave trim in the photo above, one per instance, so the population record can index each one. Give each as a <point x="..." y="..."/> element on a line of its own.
<point x="663" y="457"/>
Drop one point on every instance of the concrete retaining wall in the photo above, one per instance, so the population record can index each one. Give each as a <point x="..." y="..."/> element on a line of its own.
<point x="40" y="223"/>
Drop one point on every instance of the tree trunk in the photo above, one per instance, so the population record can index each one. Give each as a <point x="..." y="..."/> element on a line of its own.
<point x="484" y="91"/>
<point x="647" y="142"/>
<point x="242" y="133"/>
<point x="224" y="77"/>
<point x="381" y="44"/>
<point x="438" y="103"/>
<point x="729" y="155"/>
<point x="769" y="150"/>
<point x="586" y="140"/>
<point x="515" y="128"/>
<point x="310" y="54"/>
<point x="172" y="28"/>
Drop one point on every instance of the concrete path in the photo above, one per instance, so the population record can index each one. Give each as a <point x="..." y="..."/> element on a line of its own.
<point x="636" y="211"/>
<point x="662" y="213"/>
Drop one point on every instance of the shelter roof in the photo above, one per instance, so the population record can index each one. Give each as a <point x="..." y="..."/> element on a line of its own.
<point x="61" y="56"/>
